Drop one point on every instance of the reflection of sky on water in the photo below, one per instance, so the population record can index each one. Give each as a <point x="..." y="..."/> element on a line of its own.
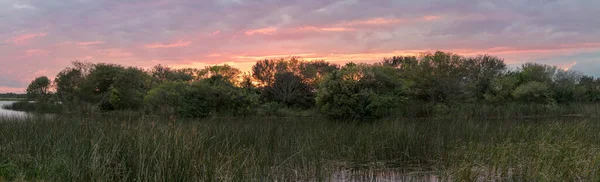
<point x="9" y="113"/>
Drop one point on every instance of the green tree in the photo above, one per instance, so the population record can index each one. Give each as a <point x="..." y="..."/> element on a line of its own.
<point x="589" y="89"/>
<point x="201" y="99"/>
<point x="479" y="73"/>
<point x="264" y="72"/>
<point x="534" y="92"/>
<point x="502" y="87"/>
<point x="361" y="91"/>
<point x="312" y="72"/>
<point x="97" y="87"/>
<point x="181" y="99"/>
<point x="129" y="89"/>
<point x="39" y="89"/>
<point x="164" y="73"/>
<point x="233" y="75"/>
<point x="565" y="86"/>
<point x="68" y="84"/>
<point x="538" y="72"/>
<point x="227" y="97"/>
<point x="166" y="98"/>
<point x="197" y="102"/>
<point x="438" y="77"/>
<point x="290" y="90"/>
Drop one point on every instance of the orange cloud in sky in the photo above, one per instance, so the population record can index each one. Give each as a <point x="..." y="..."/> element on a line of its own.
<point x="176" y="44"/>
<point x="25" y="37"/>
<point x="244" y="62"/>
<point x="431" y="18"/>
<point x="370" y="57"/>
<point x="567" y="66"/>
<point x="264" y="31"/>
<point x="272" y="56"/>
<point x="336" y="29"/>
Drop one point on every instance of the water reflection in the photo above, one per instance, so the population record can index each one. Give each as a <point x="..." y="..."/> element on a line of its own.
<point x="9" y="113"/>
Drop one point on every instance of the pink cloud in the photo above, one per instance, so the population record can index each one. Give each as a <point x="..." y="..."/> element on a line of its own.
<point x="323" y="29"/>
<point x="35" y="52"/>
<point x="4" y="89"/>
<point x="21" y="39"/>
<point x="216" y="33"/>
<point x="541" y="49"/>
<point x="347" y="26"/>
<point x="90" y="43"/>
<point x="265" y="31"/>
<point x="385" y="21"/>
<point x="114" y="53"/>
<point x="40" y="73"/>
<point x="172" y="45"/>
<point x="374" y="21"/>
<point x="432" y="18"/>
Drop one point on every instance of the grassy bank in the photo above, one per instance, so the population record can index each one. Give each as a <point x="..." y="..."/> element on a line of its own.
<point x="130" y="147"/>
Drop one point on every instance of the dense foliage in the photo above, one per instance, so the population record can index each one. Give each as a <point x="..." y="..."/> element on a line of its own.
<point x="361" y="91"/>
<point x="39" y="89"/>
<point x="429" y="83"/>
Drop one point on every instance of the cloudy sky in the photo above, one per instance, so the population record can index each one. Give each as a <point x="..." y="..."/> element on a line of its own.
<point x="41" y="37"/>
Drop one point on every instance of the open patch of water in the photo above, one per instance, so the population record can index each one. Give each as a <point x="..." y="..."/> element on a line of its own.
<point x="10" y="113"/>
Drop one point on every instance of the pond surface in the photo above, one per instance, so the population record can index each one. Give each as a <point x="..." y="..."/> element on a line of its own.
<point x="10" y="113"/>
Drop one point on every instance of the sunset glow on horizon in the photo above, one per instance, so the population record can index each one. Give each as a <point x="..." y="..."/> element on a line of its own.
<point x="42" y="37"/>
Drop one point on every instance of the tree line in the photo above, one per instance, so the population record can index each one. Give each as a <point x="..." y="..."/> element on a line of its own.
<point x="12" y="95"/>
<point x="350" y="91"/>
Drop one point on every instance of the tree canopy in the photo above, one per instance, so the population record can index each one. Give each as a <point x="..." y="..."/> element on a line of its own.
<point x="39" y="89"/>
<point x="352" y="91"/>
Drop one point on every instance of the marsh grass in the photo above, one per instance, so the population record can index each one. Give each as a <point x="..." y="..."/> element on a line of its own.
<point x="496" y="111"/>
<point x="134" y="147"/>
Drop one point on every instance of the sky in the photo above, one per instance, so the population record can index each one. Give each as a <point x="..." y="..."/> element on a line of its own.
<point x="42" y="37"/>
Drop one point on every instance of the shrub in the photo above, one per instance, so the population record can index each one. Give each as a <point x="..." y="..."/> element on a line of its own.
<point x="289" y="89"/>
<point x="360" y="91"/>
<point x="535" y="92"/>
<point x="200" y="99"/>
<point x="166" y="98"/>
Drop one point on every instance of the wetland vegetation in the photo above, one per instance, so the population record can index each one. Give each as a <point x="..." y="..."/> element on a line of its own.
<point x="437" y="116"/>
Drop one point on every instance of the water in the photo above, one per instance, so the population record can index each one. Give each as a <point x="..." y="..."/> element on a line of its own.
<point x="10" y="113"/>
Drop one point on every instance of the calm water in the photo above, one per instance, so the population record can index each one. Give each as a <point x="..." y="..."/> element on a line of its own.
<point x="9" y="113"/>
